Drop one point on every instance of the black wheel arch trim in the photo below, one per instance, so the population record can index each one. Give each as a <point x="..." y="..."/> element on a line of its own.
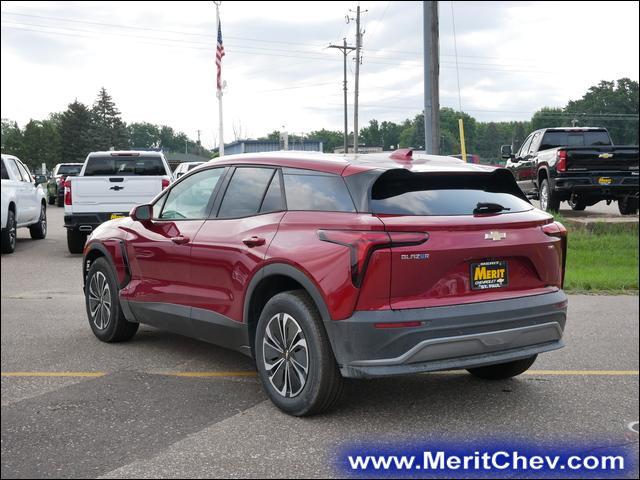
<point x="292" y="272"/>
<point x="105" y="253"/>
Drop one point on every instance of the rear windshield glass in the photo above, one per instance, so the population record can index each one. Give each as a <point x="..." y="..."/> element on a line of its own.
<point x="574" y="139"/>
<point x="445" y="194"/>
<point x="69" y="169"/>
<point x="106" y="166"/>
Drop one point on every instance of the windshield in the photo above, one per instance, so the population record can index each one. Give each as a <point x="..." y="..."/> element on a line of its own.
<point x="133" y="165"/>
<point x="593" y="138"/>
<point x="69" y="170"/>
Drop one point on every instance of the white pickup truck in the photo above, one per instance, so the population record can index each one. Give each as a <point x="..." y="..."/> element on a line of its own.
<point x="109" y="185"/>
<point x="23" y="203"/>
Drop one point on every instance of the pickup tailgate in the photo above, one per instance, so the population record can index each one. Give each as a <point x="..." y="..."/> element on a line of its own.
<point x="113" y="194"/>
<point x="605" y="159"/>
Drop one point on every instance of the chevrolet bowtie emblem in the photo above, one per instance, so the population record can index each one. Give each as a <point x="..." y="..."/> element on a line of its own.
<point x="495" y="236"/>
<point x="605" y="155"/>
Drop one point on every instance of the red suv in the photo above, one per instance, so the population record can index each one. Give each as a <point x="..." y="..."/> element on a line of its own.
<point x="322" y="267"/>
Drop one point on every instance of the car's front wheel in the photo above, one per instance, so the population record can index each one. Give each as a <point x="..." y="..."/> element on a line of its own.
<point x="106" y="317"/>
<point x="503" y="371"/>
<point x="38" y="230"/>
<point x="293" y="356"/>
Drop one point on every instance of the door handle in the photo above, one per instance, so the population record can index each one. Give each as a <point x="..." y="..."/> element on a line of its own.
<point x="180" y="239"/>
<point x="254" y="241"/>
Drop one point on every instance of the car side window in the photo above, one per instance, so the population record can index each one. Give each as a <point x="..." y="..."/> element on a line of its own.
<point x="24" y="172"/>
<point x="273" y="200"/>
<point x="5" y="173"/>
<point x="190" y="199"/>
<point x="319" y="192"/>
<point x="535" y="140"/>
<point x="245" y="192"/>
<point x="525" y="147"/>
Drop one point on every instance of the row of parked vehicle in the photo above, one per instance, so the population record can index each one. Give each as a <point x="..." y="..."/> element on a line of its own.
<point x="107" y="185"/>
<point x="324" y="267"/>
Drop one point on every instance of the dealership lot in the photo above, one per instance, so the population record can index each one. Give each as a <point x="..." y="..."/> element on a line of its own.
<point x="164" y="405"/>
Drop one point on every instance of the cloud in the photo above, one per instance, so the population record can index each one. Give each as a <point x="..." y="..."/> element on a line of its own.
<point x="157" y="59"/>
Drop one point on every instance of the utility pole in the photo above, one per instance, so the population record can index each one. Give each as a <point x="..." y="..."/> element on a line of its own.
<point x="357" y="80"/>
<point x="199" y="137"/>
<point x="345" y="52"/>
<point x="431" y="78"/>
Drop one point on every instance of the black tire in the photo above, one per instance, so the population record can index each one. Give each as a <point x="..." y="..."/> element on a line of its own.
<point x="75" y="241"/>
<point x="577" y="205"/>
<point x="549" y="200"/>
<point x="628" y="206"/>
<point x="51" y="200"/>
<point x="38" y="231"/>
<point x="59" y="201"/>
<point x="323" y="384"/>
<point x="503" y="371"/>
<point x="9" y="234"/>
<point x="107" y="320"/>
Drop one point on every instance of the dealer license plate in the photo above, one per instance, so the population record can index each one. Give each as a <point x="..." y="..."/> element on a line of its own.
<point x="489" y="274"/>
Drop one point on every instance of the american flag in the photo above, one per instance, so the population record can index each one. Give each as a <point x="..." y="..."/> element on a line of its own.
<point x="219" y="55"/>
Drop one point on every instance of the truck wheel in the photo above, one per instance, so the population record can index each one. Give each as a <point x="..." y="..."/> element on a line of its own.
<point x="577" y="205"/>
<point x="503" y="371"/>
<point x="106" y="317"/>
<point x="38" y="230"/>
<point x="293" y="356"/>
<point x="75" y="241"/>
<point x="549" y="201"/>
<point x="51" y="200"/>
<point x="628" y="206"/>
<point x="9" y="234"/>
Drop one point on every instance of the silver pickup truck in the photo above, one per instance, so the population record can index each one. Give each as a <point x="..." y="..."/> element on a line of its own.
<point x="109" y="185"/>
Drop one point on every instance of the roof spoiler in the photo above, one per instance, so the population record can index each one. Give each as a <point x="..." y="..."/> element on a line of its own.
<point x="402" y="154"/>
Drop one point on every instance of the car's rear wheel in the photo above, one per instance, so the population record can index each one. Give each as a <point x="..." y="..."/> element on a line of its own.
<point x="293" y="356"/>
<point x="503" y="371"/>
<point x="75" y="241"/>
<point x="106" y="317"/>
<point x="38" y="231"/>
<point x="9" y="234"/>
<point x="60" y="201"/>
<point x="51" y="200"/>
<point x="628" y="206"/>
<point x="549" y="201"/>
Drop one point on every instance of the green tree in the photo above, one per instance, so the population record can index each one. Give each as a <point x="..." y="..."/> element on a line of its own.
<point x="144" y="135"/>
<point x="76" y="132"/>
<point x="41" y="144"/>
<point x="108" y="131"/>
<point x="11" y="138"/>
<point x="330" y="139"/>
<point x="548" y="117"/>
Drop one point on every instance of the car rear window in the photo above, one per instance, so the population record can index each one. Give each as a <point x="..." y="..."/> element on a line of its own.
<point x="69" y="169"/>
<point x="123" y="166"/>
<point x="445" y="194"/>
<point x="321" y="192"/>
<point x="245" y="192"/>
<point x="594" y="138"/>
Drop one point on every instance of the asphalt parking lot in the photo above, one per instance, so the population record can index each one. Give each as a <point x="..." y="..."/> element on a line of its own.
<point x="166" y="406"/>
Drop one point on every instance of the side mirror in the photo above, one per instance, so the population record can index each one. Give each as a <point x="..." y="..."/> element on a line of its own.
<point x="506" y="152"/>
<point x="40" y="179"/>
<point x="141" y="213"/>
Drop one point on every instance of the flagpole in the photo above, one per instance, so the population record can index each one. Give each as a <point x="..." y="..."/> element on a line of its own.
<point x="219" y="93"/>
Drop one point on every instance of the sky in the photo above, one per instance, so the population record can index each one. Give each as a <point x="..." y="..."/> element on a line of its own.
<point x="156" y="59"/>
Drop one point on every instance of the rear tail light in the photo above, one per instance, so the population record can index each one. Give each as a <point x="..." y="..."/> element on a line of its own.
<point x="165" y="183"/>
<point x="67" y="192"/>
<point x="558" y="230"/>
<point x="362" y="244"/>
<point x="561" y="163"/>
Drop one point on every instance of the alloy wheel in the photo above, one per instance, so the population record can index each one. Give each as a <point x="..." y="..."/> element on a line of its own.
<point x="13" y="233"/>
<point x="544" y="198"/>
<point x="100" y="301"/>
<point x="285" y="355"/>
<point x="43" y="220"/>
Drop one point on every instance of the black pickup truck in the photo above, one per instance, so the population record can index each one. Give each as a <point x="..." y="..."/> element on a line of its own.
<point x="580" y="165"/>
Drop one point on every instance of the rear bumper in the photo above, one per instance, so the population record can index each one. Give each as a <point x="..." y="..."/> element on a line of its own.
<point x="452" y="337"/>
<point x="620" y="185"/>
<point x="86" y="221"/>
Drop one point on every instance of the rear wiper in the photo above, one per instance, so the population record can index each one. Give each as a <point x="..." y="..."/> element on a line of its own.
<point x="484" y="207"/>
